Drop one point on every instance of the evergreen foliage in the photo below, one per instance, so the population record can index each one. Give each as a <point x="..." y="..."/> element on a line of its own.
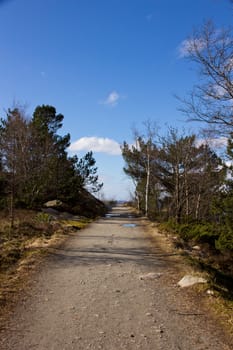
<point x="191" y="187"/>
<point x="35" y="166"/>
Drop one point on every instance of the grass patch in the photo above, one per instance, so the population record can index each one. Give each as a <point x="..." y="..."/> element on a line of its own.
<point x="76" y="224"/>
<point x="24" y="244"/>
<point x="215" y="263"/>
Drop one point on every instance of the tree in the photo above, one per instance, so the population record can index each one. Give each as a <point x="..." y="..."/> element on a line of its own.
<point x="211" y="101"/>
<point x="183" y="177"/>
<point x="140" y="166"/>
<point x="14" y="151"/>
<point x="224" y="205"/>
<point x="190" y="174"/>
<point x="87" y="172"/>
<point x="49" y="155"/>
<point x="34" y="162"/>
<point x="133" y="168"/>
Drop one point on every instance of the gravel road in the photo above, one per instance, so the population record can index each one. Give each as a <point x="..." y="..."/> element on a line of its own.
<point x="94" y="293"/>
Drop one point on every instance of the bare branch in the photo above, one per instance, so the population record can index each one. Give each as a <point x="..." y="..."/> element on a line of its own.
<point x="211" y="101"/>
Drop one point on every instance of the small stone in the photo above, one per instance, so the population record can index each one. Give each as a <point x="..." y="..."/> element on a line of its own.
<point x="210" y="292"/>
<point x="151" y="276"/>
<point x="148" y="314"/>
<point x="190" y="280"/>
<point x="196" y="247"/>
<point x="160" y="330"/>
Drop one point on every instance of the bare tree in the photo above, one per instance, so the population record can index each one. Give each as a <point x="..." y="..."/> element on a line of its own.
<point x="13" y="144"/>
<point x="211" y="101"/>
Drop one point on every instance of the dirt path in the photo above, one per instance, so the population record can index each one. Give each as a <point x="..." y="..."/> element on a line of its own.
<point x="89" y="295"/>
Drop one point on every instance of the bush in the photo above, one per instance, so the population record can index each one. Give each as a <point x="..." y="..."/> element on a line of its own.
<point x="198" y="232"/>
<point x="206" y="233"/>
<point x="225" y="241"/>
<point x="43" y="218"/>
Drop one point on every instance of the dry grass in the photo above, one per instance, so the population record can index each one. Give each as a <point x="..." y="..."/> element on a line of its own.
<point x="217" y="299"/>
<point x="22" y="247"/>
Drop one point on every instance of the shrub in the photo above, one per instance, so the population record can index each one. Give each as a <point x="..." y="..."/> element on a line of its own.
<point x="43" y="218"/>
<point x="225" y="240"/>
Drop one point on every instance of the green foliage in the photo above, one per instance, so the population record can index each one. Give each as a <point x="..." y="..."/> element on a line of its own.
<point x="184" y="177"/>
<point x="43" y="218"/>
<point x="34" y="162"/>
<point x="196" y="232"/>
<point x="225" y="240"/>
<point x="87" y="172"/>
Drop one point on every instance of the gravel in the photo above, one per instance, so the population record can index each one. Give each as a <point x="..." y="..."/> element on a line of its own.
<point x="90" y="294"/>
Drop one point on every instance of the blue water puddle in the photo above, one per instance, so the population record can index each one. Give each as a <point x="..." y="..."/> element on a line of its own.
<point x="129" y="225"/>
<point x="111" y="215"/>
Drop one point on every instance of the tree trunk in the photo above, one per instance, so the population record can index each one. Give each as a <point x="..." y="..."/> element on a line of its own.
<point x="197" y="206"/>
<point x="186" y="195"/>
<point x="147" y="181"/>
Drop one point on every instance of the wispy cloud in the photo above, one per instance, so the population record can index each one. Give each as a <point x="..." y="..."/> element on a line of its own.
<point x="216" y="143"/>
<point x="188" y="46"/>
<point x="112" y="99"/>
<point x="96" y="144"/>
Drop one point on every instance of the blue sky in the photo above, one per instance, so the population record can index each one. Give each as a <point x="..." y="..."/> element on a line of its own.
<point x="106" y="65"/>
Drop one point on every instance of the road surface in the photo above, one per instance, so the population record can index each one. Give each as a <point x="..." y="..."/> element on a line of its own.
<point x="94" y="292"/>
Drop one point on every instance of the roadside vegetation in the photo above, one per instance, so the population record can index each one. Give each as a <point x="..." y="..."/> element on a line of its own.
<point x="184" y="180"/>
<point x="44" y="192"/>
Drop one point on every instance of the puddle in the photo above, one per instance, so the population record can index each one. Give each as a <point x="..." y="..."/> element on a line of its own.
<point x="129" y="225"/>
<point x="112" y="215"/>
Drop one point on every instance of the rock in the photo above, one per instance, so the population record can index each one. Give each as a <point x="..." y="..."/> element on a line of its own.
<point x="151" y="276"/>
<point x="51" y="211"/>
<point x="190" y="280"/>
<point x="66" y="216"/>
<point x="196" y="247"/>
<point x="54" y="203"/>
<point x="210" y="292"/>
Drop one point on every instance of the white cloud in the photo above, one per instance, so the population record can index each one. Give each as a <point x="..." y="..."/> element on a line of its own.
<point x="96" y="144"/>
<point x="220" y="91"/>
<point x="188" y="46"/>
<point x="112" y="99"/>
<point x="215" y="143"/>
